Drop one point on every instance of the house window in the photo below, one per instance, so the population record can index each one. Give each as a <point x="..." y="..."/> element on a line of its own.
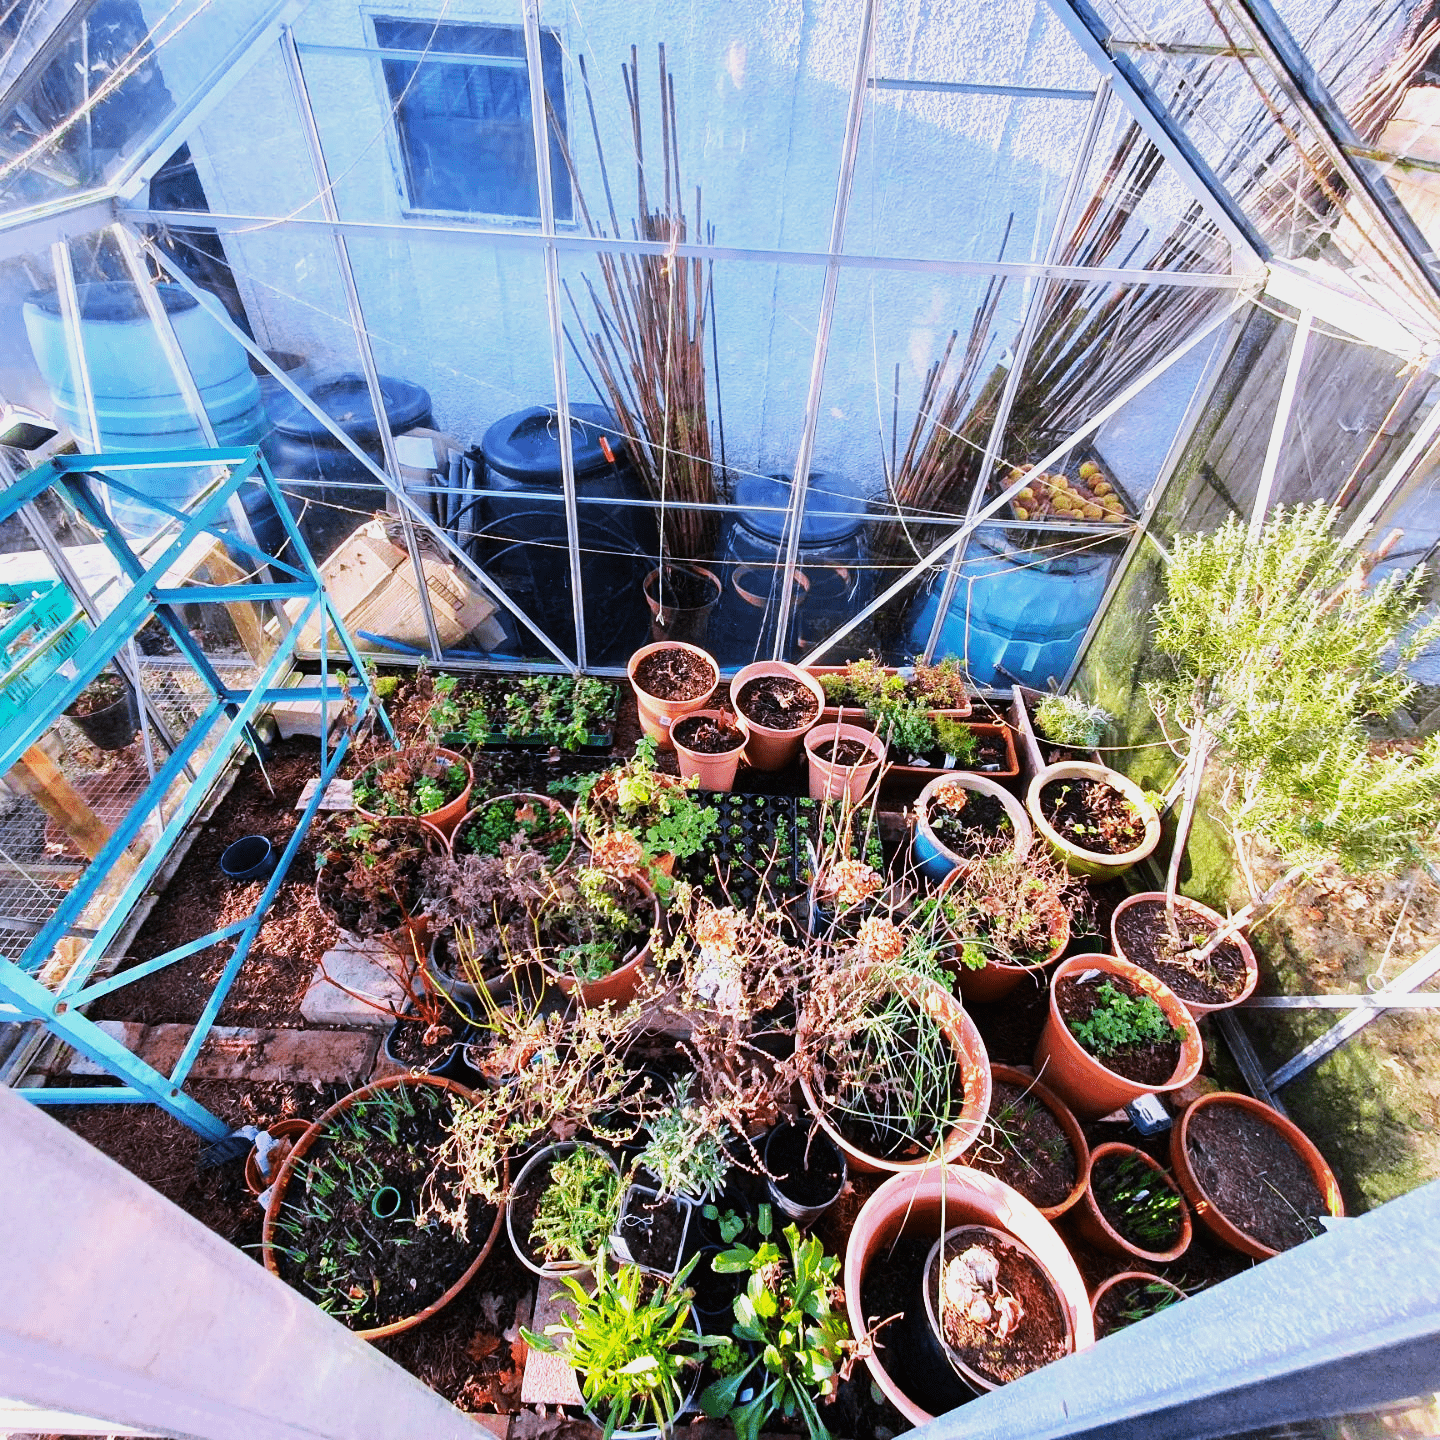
<point x="466" y="139"/>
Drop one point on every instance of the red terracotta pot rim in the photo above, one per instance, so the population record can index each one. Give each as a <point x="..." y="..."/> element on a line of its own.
<point x="1126" y="1276"/>
<point x="1247" y="953"/>
<point x="830" y="730"/>
<point x="302" y="1147"/>
<point x="653" y="648"/>
<point x="1065" y="1117"/>
<point x="1097" y="1215"/>
<point x="758" y="670"/>
<point x="737" y="722"/>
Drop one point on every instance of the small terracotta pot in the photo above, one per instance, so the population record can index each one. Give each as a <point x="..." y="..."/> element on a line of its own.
<point x="657" y="715"/>
<point x="1008" y="1075"/>
<point x="829" y="781"/>
<point x="714" y="772"/>
<point x="669" y="621"/>
<point x="448" y="816"/>
<point x="302" y="1148"/>
<point x="620" y="985"/>
<point x="1224" y="1230"/>
<point x="1090" y="1221"/>
<point x="1213" y="921"/>
<point x="1078" y="860"/>
<point x="996" y="979"/>
<point x="290" y="1129"/>
<point x="1126" y="1277"/>
<point x="544" y="802"/>
<point x="769" y="749"/>
<point x="974" y="1064"/>
<point x="1086" y="1085"/>
<point x="936" y="858"/>
<point x="924" y="1203"/>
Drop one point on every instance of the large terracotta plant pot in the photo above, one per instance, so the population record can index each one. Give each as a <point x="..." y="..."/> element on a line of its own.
<point x="1218" y="1224"/>
<point x="448" y="816"/>
<point x="306" y="1143"/>
<point x="996" y="979"/>
<point x="770" y="749"/>
<point x="921" y="1205"/>
<point x="974" y="1065"/>
<point x="1085" y="1084"/>
<point x="829" y="781"/>
<point x="408" y="936"/>
<point x="620" y="985"/>
<point x="1078" y="860"/>
<point x="656" y="713"/>
<point x="521" y="798"/>
<point x="1211" y="920"/>
<point x="714" y="772"/>
<point x="936" y="858"/>
<point x="1089" y="1218"/>
<point x="1074" y="1135"/>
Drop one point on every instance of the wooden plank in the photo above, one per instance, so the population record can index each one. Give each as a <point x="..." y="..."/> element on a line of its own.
<point x="244" y="615"/>
<point x="39" y="777"/>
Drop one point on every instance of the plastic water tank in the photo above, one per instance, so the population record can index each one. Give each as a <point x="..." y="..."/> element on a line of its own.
<point x="138" y="405"/>
<point x="337" y="492"/>
<point x="1015" y="610"/>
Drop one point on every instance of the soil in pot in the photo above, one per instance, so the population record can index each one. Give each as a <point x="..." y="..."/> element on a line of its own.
<point x="416" y="1046"/>
<point x="653" y="1229"/>
<point x="705" y="736"/>
<point x="1129" y="1302"/>
<point x="100" y="694"/>
<point x="968" y="830"/>
<point x="675" y="674"/>
<point x="891" y="1287"/>
<point x="1093" y="815"/>
<point x="778" y="702"/>
<point x="805" y="1165"/>
<point x="1255" y="1179"/>
<point x="1145" y="938"/>
<point x="1078" y="998"/>
<point x="1024" y="1145"/>
<point x="394" y="1280"/>
<point x="843" y="752"/>
<point x="1143" y="1207"/>
<point x="1039" y="1335"/>
<point x="502" y="821"/>
<point x="682" y="589"/>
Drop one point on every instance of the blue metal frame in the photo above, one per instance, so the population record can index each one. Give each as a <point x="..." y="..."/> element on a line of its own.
<point x="21" y="993"/>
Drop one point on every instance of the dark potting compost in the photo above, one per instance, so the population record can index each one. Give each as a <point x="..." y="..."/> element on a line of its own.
<point x="844" y="752"/>
<point x="652" y="1229"/>
<point x="1146" y="1064"/>
<point x="1024" y="1145"/>
<point x="1125" y="1188"/>
<point x="965" y="831"/>
<point x="674" y="674"/>
<point x="804" y="1165"/>
<point x="1092" y="815"/>
<point x="706" y="736"/>
<point x="1130" y="1302"/>
<point x="1145" y="937"/>
<point x="777" y="702"/>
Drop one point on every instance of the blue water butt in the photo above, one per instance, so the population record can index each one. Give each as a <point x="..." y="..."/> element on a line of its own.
<point x="1014" y="610"/>
<point x="138" y="405"/>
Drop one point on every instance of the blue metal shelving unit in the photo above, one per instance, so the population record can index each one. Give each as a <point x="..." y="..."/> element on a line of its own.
<point x="225" y="721"/>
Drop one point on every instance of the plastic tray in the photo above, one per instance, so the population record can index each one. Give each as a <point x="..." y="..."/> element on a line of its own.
<point x="36" y="637"/>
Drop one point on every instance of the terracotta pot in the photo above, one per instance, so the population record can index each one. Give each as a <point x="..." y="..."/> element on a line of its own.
<point x="1213" y="920"/>
<point x="620" y="985"/>
<point x="657" y="715"/>
<point x="829" y="781"/>
<point x="302" y="1148"/>
<point x="545" y="802"/>
<point x="1078" y="860"/>
<point x="996" y="979"/>
<point x="1008" y="1075"/>
<point x="550" y="1153"/>
<point x="1090" y="1221"/>
<point x="936" y="858"/>
<point x="951" y="1243"/>
<point x="1225" y="1230"/>
<point x="291" y="1129"/>
<point x="448" y="816"/>
<point x="855" y="714"/>
<point x="714" y="772"/>
<point x="1126" y="1277"/>
<point x="769" y="749"/>
<point x="418" y="925"/>
<point x="669" y="621"/>
<point x="924" y="1203"/>
<point x="974" y="1065"/>
<point x="1087" y="1086"/>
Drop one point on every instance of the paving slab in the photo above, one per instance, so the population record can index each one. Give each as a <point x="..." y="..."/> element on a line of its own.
<point x="367" y="971"/>
<point x="339" y="795"/>
<point x="128" y="1032"/>
<point x="548" y="1379"/>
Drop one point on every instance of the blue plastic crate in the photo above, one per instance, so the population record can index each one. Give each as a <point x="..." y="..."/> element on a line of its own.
<point x="37" y="636"/>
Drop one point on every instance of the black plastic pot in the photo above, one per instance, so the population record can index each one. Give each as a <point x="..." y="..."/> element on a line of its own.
<point x="714" y="1303"/>
<point x="251" y="857"/>
<point x="451" y="1064"/>
<point x="112" y="728"/>
<point x="806" y="1171"/>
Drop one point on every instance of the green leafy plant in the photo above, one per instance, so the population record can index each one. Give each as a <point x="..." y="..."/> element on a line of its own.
<point x="791" y="1308"/>
<point x="1141" y="1301"/>
<point x="578" y="1208"/>
<point x="1070" y="720"/>
<point x="1008" y="909"/>
<point x="587" y="920"/>
<point x="686" y="1151"/>
<point x="1138" y="1202"/>
<point x="905" y="725"/>
<point x="955" y="738"/>
<point x="632" y="1351"/>
<point x="1122" y="1022"/>
<point x="414" y="782"/>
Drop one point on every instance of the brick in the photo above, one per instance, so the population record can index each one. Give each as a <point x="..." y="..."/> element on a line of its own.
<point x="548" y="1379"/>
<point x="323" y="1057"/>
<point x="365" y="971"/>
<point x="129" y="1033"/>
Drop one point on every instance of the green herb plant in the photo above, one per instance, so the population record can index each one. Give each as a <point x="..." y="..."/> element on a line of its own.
<point x="1139" y="1202"/>
<point x="577" y="1211"/>
<point x="1071" y="720"/>
<point x="791" y="1308"/>
<point x="414" y="782"/>
<point x="686" y="1150"/>
<point x="1142" y="1300"/>
<point x="955" y="738"/>
<point x="632" y="1351"/>
<point x="1123" y="1022"/>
